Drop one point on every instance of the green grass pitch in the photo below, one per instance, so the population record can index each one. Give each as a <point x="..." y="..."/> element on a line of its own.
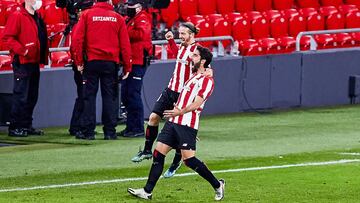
<point x="237" y="141"/>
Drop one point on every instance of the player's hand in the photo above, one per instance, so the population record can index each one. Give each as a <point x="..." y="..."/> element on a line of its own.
<point x="169" y="35"/>
<point x="209" y="72"/>
<point x="126" y="75"/>
<point x="80" y="69"/>
<point x="176" y="111"/>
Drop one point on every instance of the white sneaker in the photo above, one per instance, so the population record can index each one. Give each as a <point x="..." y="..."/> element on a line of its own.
<point x="140" y="193"/>
<point x="220" y="192"/>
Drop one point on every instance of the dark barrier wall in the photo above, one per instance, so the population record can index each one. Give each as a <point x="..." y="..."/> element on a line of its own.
<point x="241" y="84"/>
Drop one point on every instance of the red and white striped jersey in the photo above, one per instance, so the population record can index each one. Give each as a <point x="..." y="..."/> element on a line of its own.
<point x="197" y="85"/>
<point x="182" y="70"/>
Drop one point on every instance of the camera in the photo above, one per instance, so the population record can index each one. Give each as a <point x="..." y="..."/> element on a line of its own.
<point x="72" y="8"/>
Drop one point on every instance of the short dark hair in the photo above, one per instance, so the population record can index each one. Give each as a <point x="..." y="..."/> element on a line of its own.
<point x="191" y="27"/>
<point x="102" y="0"/>
<point x="205" y="54"/>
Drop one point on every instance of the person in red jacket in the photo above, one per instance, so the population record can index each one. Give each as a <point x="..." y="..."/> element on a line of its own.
<point x="139" y="29"/>
<point x="102" y="36"/>
<point x="25" y="35"/>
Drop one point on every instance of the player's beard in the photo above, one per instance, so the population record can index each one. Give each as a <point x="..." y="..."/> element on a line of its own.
<point x="185" y="42"/>
<point x="195" y="66"/>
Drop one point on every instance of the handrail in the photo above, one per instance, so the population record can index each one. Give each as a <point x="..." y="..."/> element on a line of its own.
<point x="200" y="39"/>
<point x="313" y="43"/>
<point x="219" y="51"/>
<point x="50" y="50"/>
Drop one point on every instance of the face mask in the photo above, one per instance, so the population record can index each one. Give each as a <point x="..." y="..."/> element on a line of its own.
<point x="37" y="5"/>
<point x="131" y="12"/>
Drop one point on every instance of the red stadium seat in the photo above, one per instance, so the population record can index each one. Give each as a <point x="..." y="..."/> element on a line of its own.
<point x="212" y="18"/>
<point x="352" y="20"/>
<point x="307" y="12"/>
<point x="315" y="22"/>
<point x="187" y="8"/>
<point x="279" y="31"/>
<point x="195" y="18"/>
<point x="260" y="28"/>
<point x="56" y="30"/>
<point x="244" y="5"/>
<point x="308" y="3"/>
<point x="263" y="5"/>
<point x="261" y="32"/>
<point x="289" y="13"/>
<point x="324" y="41"/>
<point x="270" y="14"/>
<point x="356" y="38"/>
<point x="252" y="15"/>
<point x="60" y="59"/>
<point x="327" y="10"/>
<point x="206" y="30"/>
<point x="53" y="14"/>
<point x="233" y="17"/>
<point x="283" y="4"/>
<point x="222" y="28"/>
<point x="354" y="2"/>
<point x="171" y="13"/>
<point x="242" y="33"/>
<point x="5" y="63"/>
<point x="241" y="30"/>
<point x="335" y="21"/>
<point x="279" y="27"/>
<point x="250" y="47"/>
<point x="331" y="2"/>
<point x="207" y="7"/>
<point x="347" y="9"/>
<point x="297" y="24"/>
<point x="225" y="6"/>
<point x="343" y="40"/>
<point x="287" y="44"/>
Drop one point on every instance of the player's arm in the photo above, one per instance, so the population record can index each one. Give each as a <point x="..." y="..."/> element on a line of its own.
<point x="173" y="47"/>
<point x="177" y="111"/>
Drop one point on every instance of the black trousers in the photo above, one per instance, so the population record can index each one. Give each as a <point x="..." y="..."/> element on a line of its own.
<point x="107" y="73"/>
<point x="131" y="98"/>
<point x="75" y="123"/>
<point x="25" y="94"/>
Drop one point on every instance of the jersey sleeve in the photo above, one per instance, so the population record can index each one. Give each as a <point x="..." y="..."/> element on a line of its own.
<point x="206" y="88"/>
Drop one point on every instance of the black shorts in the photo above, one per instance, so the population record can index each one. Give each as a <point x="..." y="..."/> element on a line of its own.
<point x="165" y="102"/>
<point x="178" y="136"/>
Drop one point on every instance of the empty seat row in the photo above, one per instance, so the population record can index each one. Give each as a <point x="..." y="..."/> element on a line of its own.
<point x="181" y="9"/>
<point x="275" y="32"/>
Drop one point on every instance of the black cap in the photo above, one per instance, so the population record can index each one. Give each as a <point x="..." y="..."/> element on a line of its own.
<point x="133" y="2"/>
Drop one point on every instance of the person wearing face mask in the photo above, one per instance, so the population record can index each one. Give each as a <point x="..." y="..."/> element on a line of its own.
<point x="101" y="36"/>
<point x="25" y="35"/>
<point x="139" y="29"/>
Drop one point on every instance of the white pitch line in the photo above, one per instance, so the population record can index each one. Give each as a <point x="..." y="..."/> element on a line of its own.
<point x="348" y="153"/>
<point x="343" y="161"/>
